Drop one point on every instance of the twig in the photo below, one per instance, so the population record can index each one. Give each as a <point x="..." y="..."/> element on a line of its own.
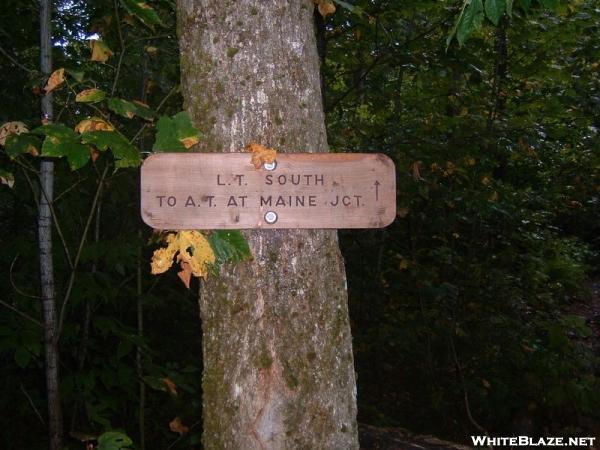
<point x="123" y="48"/>
<point x="69" y="189"/>
<point x="158" y="108"/>
<point x="35" y="410"/>
<point x="466" y="395"/>
<point x="79" y="250"/>
<point x="14" y="61"/>
<point x="12" y="283"/>
<point x="19" y="312"/>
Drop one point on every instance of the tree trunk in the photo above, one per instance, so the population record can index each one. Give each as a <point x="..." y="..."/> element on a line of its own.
<point x="278" y="365"/>
<point x="55" y="423"/>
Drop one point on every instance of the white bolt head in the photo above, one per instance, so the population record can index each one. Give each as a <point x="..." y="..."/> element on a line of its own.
<point x="270" y="217"/>
<point x="270" y="165"/>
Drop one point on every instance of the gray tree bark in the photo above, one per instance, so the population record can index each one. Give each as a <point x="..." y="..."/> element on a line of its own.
<point x="55" y="422"/>
<point x="278" y="364"/>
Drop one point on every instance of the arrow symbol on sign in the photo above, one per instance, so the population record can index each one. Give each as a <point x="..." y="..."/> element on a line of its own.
<point x="377" y="190"/>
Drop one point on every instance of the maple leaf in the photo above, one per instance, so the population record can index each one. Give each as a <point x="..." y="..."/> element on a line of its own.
<point x="162" y="260"/>
<point x="56" y="79"/>
<point x="11" y="128"/>
<point x="93" y="124"/>
<point x="100" y="51"/>
<point x="176" y="426"/>
<point x="171" y="386"/>
<point x="7" y="178"/>
<point x="325" y="7"/>
<point x="194" y="255"/>
<point x="202" y="255"/>
<point x="92" y="95"/>
<point x="416" y="171"/>
<point x="261" y="154"/>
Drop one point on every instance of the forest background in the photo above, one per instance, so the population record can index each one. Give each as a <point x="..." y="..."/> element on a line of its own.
<point x="471" y="313"/>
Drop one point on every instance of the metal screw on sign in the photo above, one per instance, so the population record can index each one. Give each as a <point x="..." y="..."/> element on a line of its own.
<point x="270" y="166"/>
<point x="271" y="217"/>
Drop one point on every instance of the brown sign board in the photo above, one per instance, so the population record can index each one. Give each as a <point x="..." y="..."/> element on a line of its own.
<point x="301" y="190"/>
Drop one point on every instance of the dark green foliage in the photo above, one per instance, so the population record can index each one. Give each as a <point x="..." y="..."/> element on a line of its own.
<point x="470" y="292"/>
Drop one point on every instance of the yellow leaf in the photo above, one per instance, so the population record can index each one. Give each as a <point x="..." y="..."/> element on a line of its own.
<point x="261" y="154"/>
<point x="7" y="179"/>
<point x="151" y="50"/>
<point x="171" y="386"/>
<point x="403" y="264"/>
<point x="325" y="7"/>
<point x="89" y="95"/>
<point x="56" y="79"/>
<point x="162" y="260"/>
<point x="189" y="141"/>
<point x="11" y="128"/>
<point x="202" y="254"/>
<point x="176" y="426"/>
<point x="494" y="197"/>
<point x="416" y="171"/>
<point x="93" y="124"/>
<point x="193" y="251"/>
<point x="100" y="51"/>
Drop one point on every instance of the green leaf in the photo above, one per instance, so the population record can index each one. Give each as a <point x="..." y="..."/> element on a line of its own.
<point x="144" y="12"/>
<point x="62" y="141"/>
<point x="7" y="178"/>
<point x="144" y="111"/>
<point x="114" y="440"/>
<point x="471" y="17"/>
<point x="525" y="4"/>
<point x="76" y="74"/>
<point x="550" y="4"/>
<point x="155" y="383"/>
<point x="125" y="154"/>
<point x="129" y="109"/>
<point x="494" y="10"/>
<point x="17" y="144"/>
<point x="470" y="20"/>
<point x="352" y="8"/>
<point x="229" y="246"/>
<point x="90" y="96"/>
<point x="122" y="107"/>
<point x="509" y="7"/>
<point x="22" y="357"/>
<point x="175" y="134"/>
<point x="124" y="348"/>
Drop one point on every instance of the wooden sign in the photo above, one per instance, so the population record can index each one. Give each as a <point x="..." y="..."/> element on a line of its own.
<point x="299" y="190"/>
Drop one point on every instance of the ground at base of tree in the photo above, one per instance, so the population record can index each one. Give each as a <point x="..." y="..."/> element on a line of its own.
<point x="374" y="438"/>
